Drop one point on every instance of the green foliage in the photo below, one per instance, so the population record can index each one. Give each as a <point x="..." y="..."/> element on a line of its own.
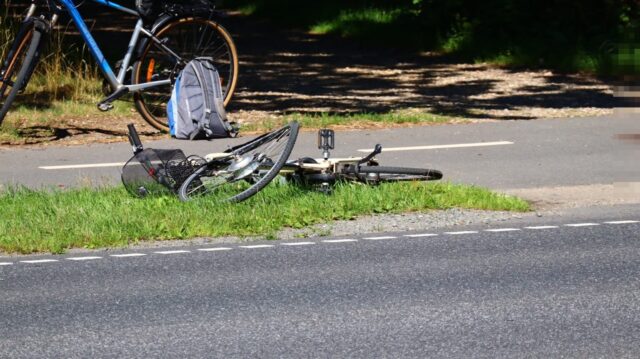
<point x="593" y="35"/>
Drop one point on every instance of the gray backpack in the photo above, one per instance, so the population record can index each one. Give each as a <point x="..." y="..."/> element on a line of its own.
<point x="196" y="107"/>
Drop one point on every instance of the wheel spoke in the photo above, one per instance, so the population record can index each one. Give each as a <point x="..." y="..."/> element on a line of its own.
<point x="254" y="165"/>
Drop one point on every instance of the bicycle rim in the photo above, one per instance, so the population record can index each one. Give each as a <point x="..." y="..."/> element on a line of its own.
<point x="17" y="68"/>
<point x="251" y="167"/>
<point x="190" y="38"/>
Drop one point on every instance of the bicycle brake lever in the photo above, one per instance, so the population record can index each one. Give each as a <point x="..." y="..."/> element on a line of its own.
<point x="376" y="151"/>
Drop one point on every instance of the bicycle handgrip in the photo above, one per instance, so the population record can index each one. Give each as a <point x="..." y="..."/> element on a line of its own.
<point x="134" y="139"/>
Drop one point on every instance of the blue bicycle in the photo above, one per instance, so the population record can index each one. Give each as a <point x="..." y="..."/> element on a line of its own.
<point x="161" y="43"/>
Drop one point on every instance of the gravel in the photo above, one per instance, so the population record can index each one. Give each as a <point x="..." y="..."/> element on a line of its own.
<point x="417" y="221"/>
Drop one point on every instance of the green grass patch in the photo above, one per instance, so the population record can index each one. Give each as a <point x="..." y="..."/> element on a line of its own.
<point x="355" y="120"/>
<point x="54" y="221"/>
<point x="561" y="36"/>
<point x="350" y="22"/>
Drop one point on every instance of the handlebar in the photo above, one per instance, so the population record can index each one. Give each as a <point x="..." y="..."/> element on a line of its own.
<point x="376" y="151"/>
<point x="134" y="139"/>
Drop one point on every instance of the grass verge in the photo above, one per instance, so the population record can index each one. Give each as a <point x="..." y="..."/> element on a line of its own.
<point x="54" y="221"/>
<point x="33" y="124"/>
<point x="354" y="120"/>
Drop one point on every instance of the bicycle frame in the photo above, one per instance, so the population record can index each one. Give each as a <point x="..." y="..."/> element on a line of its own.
<point x="115" y="80"/>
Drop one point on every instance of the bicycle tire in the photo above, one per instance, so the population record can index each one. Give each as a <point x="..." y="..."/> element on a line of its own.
<point x="375" y="174"/>
<point x="151" y="103"/>
<point x="210" y="178"/>
<point x="20" y="62"/>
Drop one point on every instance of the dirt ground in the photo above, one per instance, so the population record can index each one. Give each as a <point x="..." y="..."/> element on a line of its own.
<point x="288" y="71"/>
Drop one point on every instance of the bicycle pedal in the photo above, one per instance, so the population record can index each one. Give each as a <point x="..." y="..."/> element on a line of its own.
<point x="104" y="107"/>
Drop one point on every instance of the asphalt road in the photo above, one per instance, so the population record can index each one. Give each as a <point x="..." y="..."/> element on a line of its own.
<point x="564" y="287"/>
<point x="558" y="152"/>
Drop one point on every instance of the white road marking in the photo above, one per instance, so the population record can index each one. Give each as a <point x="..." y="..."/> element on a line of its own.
<point x="339" y="240"/>
<point x="88" y="165"/>
<point x="128" y="255"/>
<point x="581" y="224"/>
<point x="502" y="230"/>
<point x="214" y="249"/>
<point x="83" y="258"/>
<point x="541" y="227"/>
<point x="35" y="261"/>
<point x="436" y="147"/>
<point x="420" y="235"/>
<point x="379" y="238"/>
<point x="389" y="149"/>
<point x="417" y="235"/>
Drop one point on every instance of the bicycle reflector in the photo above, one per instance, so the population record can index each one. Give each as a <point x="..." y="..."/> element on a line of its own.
<point x="150" y="68"/>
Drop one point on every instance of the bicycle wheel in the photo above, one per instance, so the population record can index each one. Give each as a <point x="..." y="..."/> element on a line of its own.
<point x="250" y="168"/>
<point x="377" y="174"/>
<point x="189" y="38"/>
<point x="18" y="66"/>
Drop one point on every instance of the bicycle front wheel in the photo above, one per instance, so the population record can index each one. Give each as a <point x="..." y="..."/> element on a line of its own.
<point x="250" y="168"/>
<point x="189" y="38"/>
<point x="377" y="174"/>
<point x="18" y="66"/>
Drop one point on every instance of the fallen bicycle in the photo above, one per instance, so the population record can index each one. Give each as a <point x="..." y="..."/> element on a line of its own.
<point x="242" y="171"/>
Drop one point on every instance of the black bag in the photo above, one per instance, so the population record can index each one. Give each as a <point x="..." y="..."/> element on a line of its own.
<point x="202" y="8"/>
<point x="149" y="10"/>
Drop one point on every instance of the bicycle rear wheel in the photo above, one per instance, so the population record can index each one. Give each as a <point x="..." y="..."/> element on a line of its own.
<point x="190" y="38"/>
<point x="377" y="174"/>
<point x="18" y="66"/>
<point x="251" y="166"/>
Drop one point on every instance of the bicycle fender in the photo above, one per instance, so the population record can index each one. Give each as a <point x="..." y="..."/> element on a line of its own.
<point x="157" y="25"/>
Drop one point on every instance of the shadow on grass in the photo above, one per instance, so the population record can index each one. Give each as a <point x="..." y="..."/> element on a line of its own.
<point x="286" y="71"/>
<point x="290" y="71"/>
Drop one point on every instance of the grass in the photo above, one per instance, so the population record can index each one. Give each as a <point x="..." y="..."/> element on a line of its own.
<point x="54" y="220"/>
<point x="561" y="36"/>
<point x="24" y="116"/>
<point x="355" y="120"/>
<point x="348" y="22"/>
<point x="65" y="82"/>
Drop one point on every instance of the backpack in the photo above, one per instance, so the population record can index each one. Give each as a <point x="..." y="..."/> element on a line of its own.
<point x="196" y="107"/>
